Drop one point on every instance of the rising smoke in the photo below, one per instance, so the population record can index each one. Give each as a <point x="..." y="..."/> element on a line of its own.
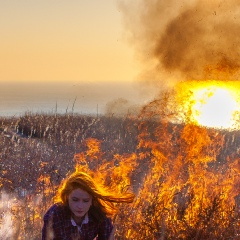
<point x="6" y="226"/>
<point x="184" y="40"/>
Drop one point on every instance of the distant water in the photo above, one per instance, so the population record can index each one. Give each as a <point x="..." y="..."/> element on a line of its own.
<point x="85" y="98"/>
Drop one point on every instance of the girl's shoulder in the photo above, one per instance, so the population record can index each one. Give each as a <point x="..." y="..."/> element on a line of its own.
<point x="107" y="221"/>
<point x="57" y="209"/>
<point x="105" y="228"/>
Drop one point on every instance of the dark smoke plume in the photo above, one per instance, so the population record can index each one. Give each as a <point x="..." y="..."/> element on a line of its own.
<point x="185" y="40"/>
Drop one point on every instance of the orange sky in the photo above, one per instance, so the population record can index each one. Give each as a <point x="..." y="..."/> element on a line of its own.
<point x="58" y="40"/>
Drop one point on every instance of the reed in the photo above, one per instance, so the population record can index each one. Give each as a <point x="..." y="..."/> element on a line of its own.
<point x="186" y="178"/>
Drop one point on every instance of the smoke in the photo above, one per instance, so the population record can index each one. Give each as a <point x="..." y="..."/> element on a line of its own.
<point x="121" y="107"/>
<point x="184" y="40"/>
<point x="21" y="216"/>
<point x="6" y="226"/>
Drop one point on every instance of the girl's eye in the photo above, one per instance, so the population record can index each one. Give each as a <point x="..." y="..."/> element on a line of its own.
<point x="86" y="200"/>
<point x="75" y="199"/>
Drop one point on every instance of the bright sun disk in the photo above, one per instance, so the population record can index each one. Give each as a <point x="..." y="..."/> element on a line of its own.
<point x="215" y="107"/>
<point x="212" y="104"/>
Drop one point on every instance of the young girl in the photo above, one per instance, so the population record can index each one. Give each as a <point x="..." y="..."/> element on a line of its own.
<point x="82" y="210"/>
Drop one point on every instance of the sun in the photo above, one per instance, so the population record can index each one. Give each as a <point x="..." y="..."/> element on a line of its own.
<point x="215" y="107"/>
<point x="211" y="104"/>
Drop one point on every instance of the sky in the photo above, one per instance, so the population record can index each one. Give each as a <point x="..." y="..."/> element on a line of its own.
<point x="89" y="44"/>
<point x="89" y="40"/>
<point x="59" y="40"/>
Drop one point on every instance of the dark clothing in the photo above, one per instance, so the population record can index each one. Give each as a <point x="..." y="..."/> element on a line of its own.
<point x="58" y="226"/>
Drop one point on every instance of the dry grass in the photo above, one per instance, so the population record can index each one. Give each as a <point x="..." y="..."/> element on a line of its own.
<point x="186" y="178"/>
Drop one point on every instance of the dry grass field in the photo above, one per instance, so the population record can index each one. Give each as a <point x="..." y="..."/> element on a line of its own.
<point x="186" y="178"/>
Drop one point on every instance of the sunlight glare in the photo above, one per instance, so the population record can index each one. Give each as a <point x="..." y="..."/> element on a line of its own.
<point x="214" y="104"/>
<point x="215" y="107"/>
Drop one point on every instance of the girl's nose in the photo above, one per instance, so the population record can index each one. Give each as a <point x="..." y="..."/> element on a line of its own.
<point x="80" y="204"/>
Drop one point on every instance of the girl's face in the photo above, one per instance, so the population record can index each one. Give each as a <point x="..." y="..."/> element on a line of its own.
<point x="79" y="203"/>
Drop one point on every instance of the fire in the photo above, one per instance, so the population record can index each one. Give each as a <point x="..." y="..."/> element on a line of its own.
<point x="214" y="104"/>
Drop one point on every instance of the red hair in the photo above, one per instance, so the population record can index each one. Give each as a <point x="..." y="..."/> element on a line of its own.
<point x="103" y="199"/>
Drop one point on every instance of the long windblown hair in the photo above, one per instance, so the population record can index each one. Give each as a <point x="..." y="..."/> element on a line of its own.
<point x="103" y="200"/>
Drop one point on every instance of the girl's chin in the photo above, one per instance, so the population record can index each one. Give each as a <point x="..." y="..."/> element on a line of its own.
<point x="79" y="214"/>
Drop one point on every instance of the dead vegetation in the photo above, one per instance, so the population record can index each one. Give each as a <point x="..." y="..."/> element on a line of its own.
<point x="186" y="178"/>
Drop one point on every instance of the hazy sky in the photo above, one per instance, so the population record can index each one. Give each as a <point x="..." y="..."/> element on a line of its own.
<point x="78" y="40"/>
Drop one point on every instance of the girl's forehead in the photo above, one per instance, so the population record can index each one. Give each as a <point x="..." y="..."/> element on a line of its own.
<point x="79" y="193"/>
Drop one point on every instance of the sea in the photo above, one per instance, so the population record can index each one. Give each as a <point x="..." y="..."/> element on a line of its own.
<point x="19" y="98"/>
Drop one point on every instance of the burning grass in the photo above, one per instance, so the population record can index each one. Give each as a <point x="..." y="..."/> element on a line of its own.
<point x="186" y="177"/>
